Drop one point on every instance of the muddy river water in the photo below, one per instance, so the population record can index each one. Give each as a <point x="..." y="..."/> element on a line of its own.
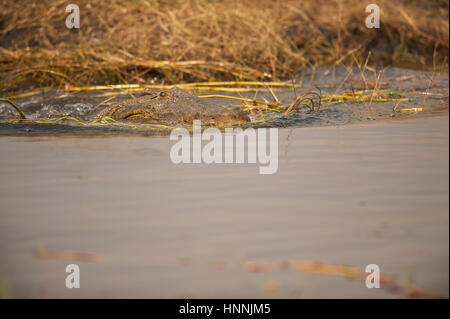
<point x="372" y="191"/>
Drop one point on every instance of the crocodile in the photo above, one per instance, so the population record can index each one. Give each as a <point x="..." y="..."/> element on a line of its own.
<point x="173" y="107"/>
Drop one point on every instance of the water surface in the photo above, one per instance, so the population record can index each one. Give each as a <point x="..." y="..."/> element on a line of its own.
<point x="355" y="195"/>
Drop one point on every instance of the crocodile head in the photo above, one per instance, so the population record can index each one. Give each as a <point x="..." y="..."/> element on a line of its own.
<point x="174" y="107"/>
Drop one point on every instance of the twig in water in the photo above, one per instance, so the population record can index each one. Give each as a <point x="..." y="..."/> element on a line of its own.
<point x="22" y="116"/>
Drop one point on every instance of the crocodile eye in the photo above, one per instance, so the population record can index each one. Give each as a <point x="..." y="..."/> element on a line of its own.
<point x="162" y="94"/>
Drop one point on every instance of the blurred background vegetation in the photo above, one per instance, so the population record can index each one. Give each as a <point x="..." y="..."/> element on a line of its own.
<point x="176" y="41"/>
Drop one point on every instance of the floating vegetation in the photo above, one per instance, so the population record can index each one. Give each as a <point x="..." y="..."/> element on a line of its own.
<point x="306" y="97"/>
<point x="42" y="253"/>
<point x="388" y="282"/>
<point x="250" y="103"/>
<point x="107" y="121"/>
<point x="230" y="86"/>
<point x="122" y="89"/>
<point x="312" y="100"/>
<point x="18" y="110"/>
<point x="365" y="96"/>
<point x="412" y="109"/>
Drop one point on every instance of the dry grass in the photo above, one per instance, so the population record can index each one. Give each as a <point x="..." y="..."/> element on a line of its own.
<point x="151" y="41"/>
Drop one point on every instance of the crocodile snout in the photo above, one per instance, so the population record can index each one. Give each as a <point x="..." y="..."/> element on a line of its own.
<point x="232" y="116"/>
